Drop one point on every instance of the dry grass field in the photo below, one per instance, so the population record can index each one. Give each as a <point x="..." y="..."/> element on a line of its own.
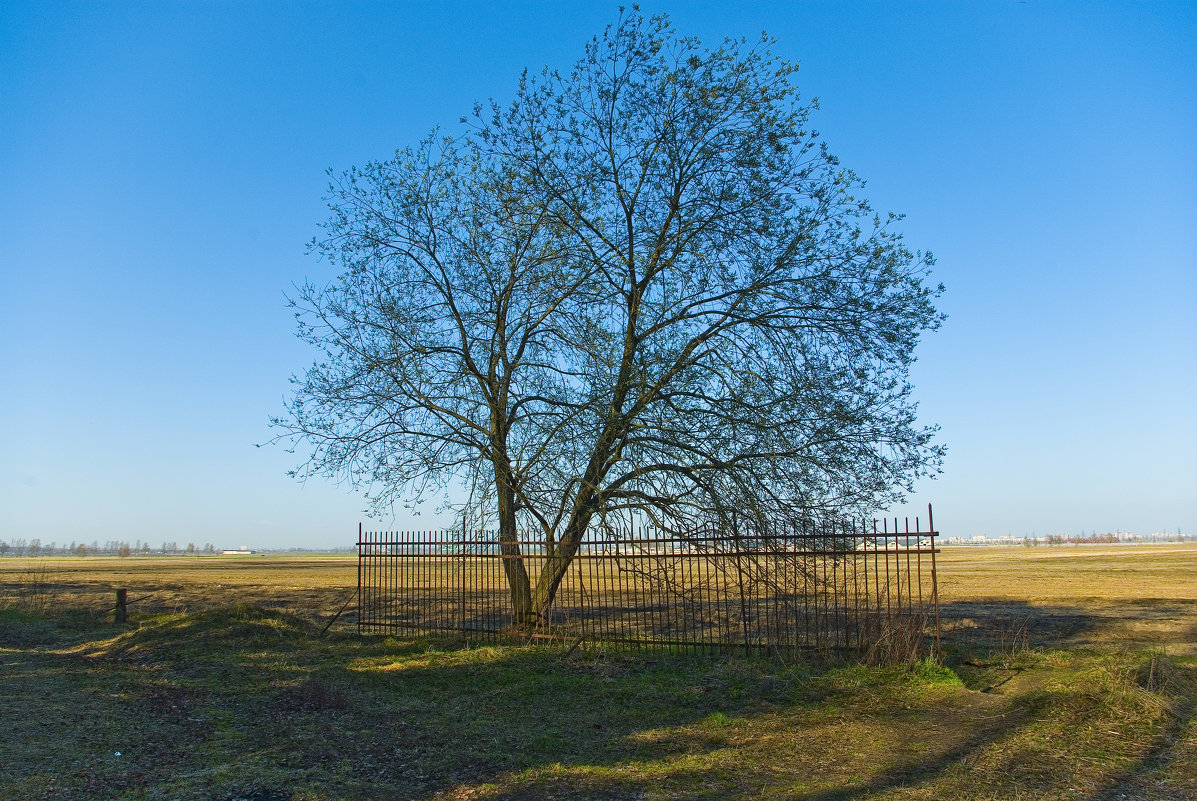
<point x="1061" y="596"/>
<point x="305" y="584"/>
<point x="1068" y="673"/>
<point x="1134" y="596"/>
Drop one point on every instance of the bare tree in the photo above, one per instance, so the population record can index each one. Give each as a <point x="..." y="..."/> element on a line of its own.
<point x="645" y="285"/>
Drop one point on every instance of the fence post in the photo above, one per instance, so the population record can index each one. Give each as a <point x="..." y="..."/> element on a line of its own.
<point x="121" y="613"/>
<point x="359" y="578"/>
<point x="464" y="536"/>
<point x="934" y="583"/>
<point x="738" y="545"/>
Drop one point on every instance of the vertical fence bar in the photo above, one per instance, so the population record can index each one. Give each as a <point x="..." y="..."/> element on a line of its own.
<point x="862" y="620"/>
<point x="462" y="579"/>
<point x="359" y="578"/>
<point x="836" y="622"/>
<point x="889" y="597"/>
<point x="596" y="591"/>
<point x="379" y="580"/>
<point x="738" y="545"/>
<point x="386" y="577"/>
<point x="384" y="605"/>
<point x="376" y="565"/>
<point x="806" y="581"/>
<point x="830" y="545"/>
<point x="898" y="571"/>
<point x="850" y="553"/>
<point x="820" y="589"/>
<point x="378" y="576"/>
<point x="918" y="539"/>
<point x="934" y="581"/>
<point x="904" y="551"/>
<point x="876" y="621"/>
<point x="390" y="562"/>
<point x="651" y="586"/>
<point x="372" y="583"/>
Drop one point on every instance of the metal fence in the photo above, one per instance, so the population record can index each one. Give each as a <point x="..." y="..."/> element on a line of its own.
<point x="846" y="585"/>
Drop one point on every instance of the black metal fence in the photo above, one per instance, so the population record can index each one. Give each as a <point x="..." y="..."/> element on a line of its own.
<point x="835" y="586"/>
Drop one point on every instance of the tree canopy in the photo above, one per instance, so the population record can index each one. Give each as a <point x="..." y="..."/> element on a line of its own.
<point x="643" y="285"/>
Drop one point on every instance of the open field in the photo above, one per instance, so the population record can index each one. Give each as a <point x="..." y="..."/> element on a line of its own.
<point x="1069" y="673"/>
<point x="1061" y="596"/>
<point x="305" y="585"/>
<point x="1135" y="596"/>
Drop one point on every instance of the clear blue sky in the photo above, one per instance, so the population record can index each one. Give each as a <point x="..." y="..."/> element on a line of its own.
<point x="163" y="168"/>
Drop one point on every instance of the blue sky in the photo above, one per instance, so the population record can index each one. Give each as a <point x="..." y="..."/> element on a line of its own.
<point x="164" y="168"/>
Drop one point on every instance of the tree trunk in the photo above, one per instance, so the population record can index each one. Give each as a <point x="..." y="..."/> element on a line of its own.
<point x="522" y="614"/>
<point x="554" y="571"/>
<point x="561" y="557"/>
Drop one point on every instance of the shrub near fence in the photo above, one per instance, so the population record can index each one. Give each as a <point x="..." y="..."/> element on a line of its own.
<point x="843" y="586"/>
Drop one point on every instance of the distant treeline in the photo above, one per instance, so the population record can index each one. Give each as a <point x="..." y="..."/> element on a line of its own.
<point x="35" y="547"/>
<point x="1099" y="539"/>
<point x="1068" y="539"/>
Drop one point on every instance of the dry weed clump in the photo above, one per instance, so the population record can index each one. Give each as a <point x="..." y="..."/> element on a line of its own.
<point x="1158" y="673"/>
<point x="900" y="641"/>
<point x="34" y="590"/>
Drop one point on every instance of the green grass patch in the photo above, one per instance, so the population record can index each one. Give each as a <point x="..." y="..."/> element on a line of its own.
<point x="245" y="702"/>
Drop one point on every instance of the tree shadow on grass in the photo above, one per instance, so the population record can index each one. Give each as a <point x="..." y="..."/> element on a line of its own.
<point x="1172" y="756"/>
<point x="816" y="775"/>
<point x="617" y="727"/>
<point x="1005" y="625"/>
<point x="73" y="732"/>
<point x="461" y="720"/>
<point x="229" y="704"/>
<point x="245" y="703"/>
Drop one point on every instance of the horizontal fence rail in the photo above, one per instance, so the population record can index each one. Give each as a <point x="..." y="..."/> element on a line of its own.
<point x="844" y="586"/>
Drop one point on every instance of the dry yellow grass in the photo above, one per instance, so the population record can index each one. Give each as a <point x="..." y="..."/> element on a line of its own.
<point x="1069" y="573"/>
<point x="1072" y="596"/>
<point x="307" y="585"/>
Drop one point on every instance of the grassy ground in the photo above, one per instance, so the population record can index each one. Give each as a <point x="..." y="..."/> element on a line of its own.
<point x="1067" y="675"/>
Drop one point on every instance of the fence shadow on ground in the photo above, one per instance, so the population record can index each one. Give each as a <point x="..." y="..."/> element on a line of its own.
<point x="1006" y="625"/>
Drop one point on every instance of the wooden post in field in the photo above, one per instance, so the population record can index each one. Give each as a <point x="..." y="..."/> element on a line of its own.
<point x="122" y="610"/>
